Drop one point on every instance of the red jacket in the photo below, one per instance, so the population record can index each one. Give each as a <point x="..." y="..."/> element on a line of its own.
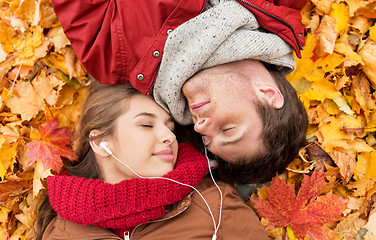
<point x="117" y="40"/>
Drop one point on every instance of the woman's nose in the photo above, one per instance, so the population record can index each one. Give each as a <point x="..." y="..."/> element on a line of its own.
<point x="168" y="136"/>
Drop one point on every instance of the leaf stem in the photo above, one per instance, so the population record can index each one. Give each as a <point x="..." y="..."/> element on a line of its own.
<point x="6" y="135"/>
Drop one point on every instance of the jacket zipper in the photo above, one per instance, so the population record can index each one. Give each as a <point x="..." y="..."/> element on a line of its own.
<point x="203" y="8"/>
<point x="158" y="220"/>
<point x="275" y="17"/>
<point x="126" y="235"/>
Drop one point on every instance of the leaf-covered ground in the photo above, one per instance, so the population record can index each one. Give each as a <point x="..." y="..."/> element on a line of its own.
<point x="328" y="192"/>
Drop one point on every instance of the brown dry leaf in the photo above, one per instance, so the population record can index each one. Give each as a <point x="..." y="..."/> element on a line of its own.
<point x="353" y="6"/>
<point x="13" y="188"/>
<point x="314" y="23"/>
<point x="353" y="58"/>
<point x="45" y="14"/>
<point x="362" y="186"/>
<point x="71" y="113"/>
<point x="349" y="227"/>
<point x="40" y="174"/>
<point x="360" y="24"/>
<point x="323" y="5"/>
<point x="74" y="66"/>
<point x="317" y="154"/>
<point x="47" y="88"/>
<point x="368" y="54"/>
<point x="326" y="36"/>
<point x="367" y="9"/>
<point x="58" y="37"/>
<point x="362" y="92"/>
<point x="371" y="225"/>
<point x="346" y="162"/>
<point x="24" y="101"/>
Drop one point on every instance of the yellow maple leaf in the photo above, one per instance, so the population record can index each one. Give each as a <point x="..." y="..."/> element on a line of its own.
<point x="25" y="9"/>
<point x="340" y="12"/>
<point x="329" y="62"/>
<point x="331" y="107"/>
<point x="372" y="33"/>
<point x="340" y="131"/>
<point x="343" y="105"/>
<point x="7" y="158"/>
<point x="25" y="49"/>
<point x="320" y="91"/>
<point x="8" y="36"/>
<point x="366" y="165"/>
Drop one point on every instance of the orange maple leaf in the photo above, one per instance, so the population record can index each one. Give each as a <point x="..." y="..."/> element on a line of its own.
<point x="306" y="213"/>
<point x="53" y="144"/>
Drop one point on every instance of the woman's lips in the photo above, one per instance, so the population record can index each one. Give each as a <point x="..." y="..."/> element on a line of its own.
<point x="166" y="155"/>
<point x="197" y="106"/>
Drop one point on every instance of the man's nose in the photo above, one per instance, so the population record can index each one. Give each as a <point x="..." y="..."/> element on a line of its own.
<point x="201" y="125"/>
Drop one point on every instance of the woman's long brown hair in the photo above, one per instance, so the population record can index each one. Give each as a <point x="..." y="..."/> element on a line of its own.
<point x="102" y="107"/>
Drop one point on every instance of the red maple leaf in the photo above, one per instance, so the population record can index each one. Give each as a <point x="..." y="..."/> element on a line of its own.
<point x="306" y="213"/>
<point x="53" y="143"/>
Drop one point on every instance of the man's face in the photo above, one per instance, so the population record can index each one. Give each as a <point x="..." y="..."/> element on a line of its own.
<point x="222" y="103"/>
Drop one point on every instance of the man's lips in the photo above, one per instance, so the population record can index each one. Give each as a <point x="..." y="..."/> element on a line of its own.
<point x="165" y="155"/>
<point x="197" y="106"/>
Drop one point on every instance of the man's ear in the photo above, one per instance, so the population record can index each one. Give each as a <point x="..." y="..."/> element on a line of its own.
<point x="270" y="94"/>
<point x="95" y="144"/>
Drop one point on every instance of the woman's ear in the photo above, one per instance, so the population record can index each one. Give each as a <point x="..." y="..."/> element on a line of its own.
<point x="96" y="144"/>
<point x="270" y="94"/>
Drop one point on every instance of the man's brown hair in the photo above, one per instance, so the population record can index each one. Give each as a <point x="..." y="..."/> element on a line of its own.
<point x="283" y="134"/>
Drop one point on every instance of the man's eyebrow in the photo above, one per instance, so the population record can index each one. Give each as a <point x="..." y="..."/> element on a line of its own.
<point x="232" y="141"/>
<point x="226" y="143"/>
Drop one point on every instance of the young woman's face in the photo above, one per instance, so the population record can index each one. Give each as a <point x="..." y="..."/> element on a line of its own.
<point x="144" y="140"/>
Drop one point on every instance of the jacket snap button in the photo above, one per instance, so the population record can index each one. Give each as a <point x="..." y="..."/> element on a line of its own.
<point x="156" y="54"/>
<point x="169" y="31"/>
<point x="300" y="35"/>
<point x="140" y="77"/>
<point x="268" y="5"/>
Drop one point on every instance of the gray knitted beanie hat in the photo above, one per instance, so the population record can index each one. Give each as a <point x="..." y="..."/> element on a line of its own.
<point x="226" y="32"/>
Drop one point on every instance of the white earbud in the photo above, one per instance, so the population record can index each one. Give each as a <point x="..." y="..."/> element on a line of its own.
<point x="103" y="144"/>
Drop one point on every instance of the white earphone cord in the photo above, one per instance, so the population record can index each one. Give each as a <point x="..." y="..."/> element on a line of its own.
<point x="216" y="227"/>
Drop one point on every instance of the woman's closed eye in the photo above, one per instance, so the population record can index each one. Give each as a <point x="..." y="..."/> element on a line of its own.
<point x="147" y="125"/>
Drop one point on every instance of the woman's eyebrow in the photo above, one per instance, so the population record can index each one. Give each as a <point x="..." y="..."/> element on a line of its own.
<point x="146" y="114"/>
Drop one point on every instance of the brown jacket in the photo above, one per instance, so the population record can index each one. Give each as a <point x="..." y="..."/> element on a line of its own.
<point x="188" y="219"/>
